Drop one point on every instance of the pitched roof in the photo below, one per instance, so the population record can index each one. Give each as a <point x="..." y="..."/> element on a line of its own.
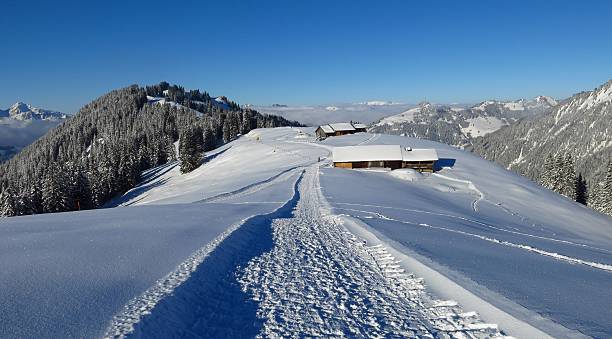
<point x="327" y="129"/>
<point x="367" y="153"/>
<point x="342" y="126"/>
<point x="382" y="153"/>
<point x="359" y="126"/>
<point x="419" y="154"/>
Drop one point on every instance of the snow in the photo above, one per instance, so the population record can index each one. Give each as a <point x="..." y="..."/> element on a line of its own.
<point x="501" y="236"/>
<point x="514" y="106"/>
<point x="481" y="126"/>
<point x="327" y="129"/>
<point x="419" y="154"/>
<point x="407" y="174"/>
<point x="407" y="116"/>
<point x="265" y="238"/>
<point x="164" y="101"/>
<point x="382" y="153"/>
<point x="379" y="103"/>
<point x="342" y="126"/>
<point x="367" y="153"/>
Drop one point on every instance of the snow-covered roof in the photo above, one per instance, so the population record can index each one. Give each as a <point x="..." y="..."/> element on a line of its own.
<point x="342" y="126"/>
<point x="327" y="128"/>
<point x="367" y="153"/>
<point x="358" y="126"/>
<point x="382" y="153"/>
<point x="419" y="154"/>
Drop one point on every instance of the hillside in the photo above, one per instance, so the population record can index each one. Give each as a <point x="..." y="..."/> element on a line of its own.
<point x="458" y="125"/>
<point x="265" y="239"/>
<point x="101" y="151"/>
<point x="21" y="124"/>
<point x="580" y="126"/>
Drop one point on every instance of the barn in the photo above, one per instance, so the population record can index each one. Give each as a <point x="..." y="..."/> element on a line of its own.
<point x="338" y="129"/>
<point x="385" y="156"/>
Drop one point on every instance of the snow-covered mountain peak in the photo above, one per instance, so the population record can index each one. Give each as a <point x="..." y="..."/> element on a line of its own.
<point x="543" y="99"/>
<point x="22" y="111"/>
<point x="19" y="107"/>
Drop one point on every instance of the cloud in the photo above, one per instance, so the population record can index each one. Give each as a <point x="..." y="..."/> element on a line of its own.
<point x="22" y="133"/>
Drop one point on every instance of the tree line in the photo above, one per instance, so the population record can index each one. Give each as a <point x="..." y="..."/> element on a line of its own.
<point x="559" y="174"/>
<point x="100" y="152"/>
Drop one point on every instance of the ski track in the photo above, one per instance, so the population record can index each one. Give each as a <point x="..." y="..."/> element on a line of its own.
<point x="558" y="256"/>
<point x="374" y="137"/>
<point x="471" y="186"/>
<point x="567" y="242"/>
<point x="252" y="188"/>
<point x="321" y="280"/>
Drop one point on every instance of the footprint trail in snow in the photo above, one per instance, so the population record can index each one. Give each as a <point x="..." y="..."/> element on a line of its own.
<point x="321" y="280"/>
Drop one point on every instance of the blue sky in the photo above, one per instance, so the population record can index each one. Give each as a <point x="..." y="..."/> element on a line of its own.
<point x="61" y="55"/>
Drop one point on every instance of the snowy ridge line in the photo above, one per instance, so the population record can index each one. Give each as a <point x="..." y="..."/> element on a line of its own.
<point x="558" y="256"/>
<point x="470" y="185"/>
<point x="251" y="188"/>
<point x="476" y="222"/>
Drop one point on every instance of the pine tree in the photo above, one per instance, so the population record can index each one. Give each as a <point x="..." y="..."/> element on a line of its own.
<point x="606" y="194"/>
<point x="54" y="194"/>
<point x="227" y="131"/>
<point x="209" y="140"/>
<point x="7" y="202"/>
<point x="581" y="190"/>
<point x="190" y="149"/>
<point x="546" y="179"/>
<point x="568" y="177"/>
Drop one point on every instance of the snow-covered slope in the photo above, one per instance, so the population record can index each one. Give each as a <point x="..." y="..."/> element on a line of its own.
<point x="266" y="239"/>
<point x="21" y="124"/>
<point x="458" y="125"/>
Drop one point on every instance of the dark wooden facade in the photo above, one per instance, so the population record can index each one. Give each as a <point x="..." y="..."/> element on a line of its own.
<point x="421" y="166"/>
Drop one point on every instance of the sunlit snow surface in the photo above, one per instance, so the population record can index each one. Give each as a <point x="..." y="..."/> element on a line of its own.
<point x="262" y="240"/>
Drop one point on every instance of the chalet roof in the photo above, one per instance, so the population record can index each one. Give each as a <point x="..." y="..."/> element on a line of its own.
<point x="382" y="153"/>
<point x="367" y="153"/>
<point x="327" y="129"/>
<point x="419" y="154"/>
<point x="360" y="126"/>
<point x="342" y="126"/>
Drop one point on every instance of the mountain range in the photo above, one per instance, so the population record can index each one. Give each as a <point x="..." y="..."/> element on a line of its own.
<point x="458" y="125"/>
<point x="580" y="126"/>
<point x="21" y="124"/>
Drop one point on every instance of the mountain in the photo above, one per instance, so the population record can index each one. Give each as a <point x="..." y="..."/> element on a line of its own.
<point x="458" y="125"/>
<point x="21" y="124"/>
<point x="265" y="239"/>
<point x="580" y="126"/>
<point x="101" y="151"/>
<point x="23" y="112"/>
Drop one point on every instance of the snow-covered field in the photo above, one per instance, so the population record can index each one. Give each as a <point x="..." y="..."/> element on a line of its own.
<point x="265" y="239"/>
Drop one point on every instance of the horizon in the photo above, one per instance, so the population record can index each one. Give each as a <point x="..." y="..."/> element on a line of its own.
<point x="271" y="52"/>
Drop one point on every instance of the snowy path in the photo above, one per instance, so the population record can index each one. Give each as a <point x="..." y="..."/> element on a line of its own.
<point x="320" y="280"/>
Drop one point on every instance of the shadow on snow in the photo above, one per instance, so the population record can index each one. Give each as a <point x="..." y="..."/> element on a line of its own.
<point x="210" y="303"/>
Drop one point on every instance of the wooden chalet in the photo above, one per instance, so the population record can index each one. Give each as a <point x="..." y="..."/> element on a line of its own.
<point x="338" y="129"/>
<point x="385" y="156"/>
